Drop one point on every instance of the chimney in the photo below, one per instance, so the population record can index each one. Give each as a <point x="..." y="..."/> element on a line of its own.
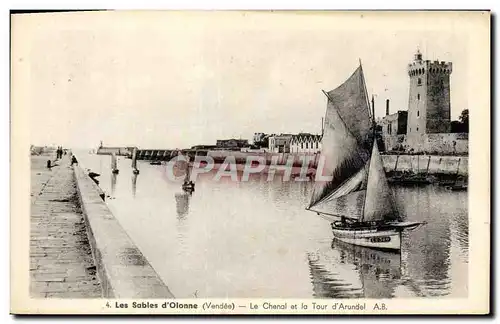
<point x="387" y="107"/>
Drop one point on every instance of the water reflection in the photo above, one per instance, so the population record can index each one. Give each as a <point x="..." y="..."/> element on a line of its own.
<point x="349" y="271"/>
<point x="182" y="204"/>
<point x="134" y="184"/>
<point x="429" y="247"/>
<point x="113" y="183"/>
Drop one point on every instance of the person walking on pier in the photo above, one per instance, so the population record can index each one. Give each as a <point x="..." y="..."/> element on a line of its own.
<point x="59" y="152"/>
<point x="74" y="160"/>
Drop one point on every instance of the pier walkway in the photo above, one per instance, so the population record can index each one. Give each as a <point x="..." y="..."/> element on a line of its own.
<point x="61" y="262"/>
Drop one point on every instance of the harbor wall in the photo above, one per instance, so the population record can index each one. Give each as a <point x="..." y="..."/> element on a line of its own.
<point x="280" y="158"/>
<point x="122" y="151"/>
<point x="438" y="164"/>
<point x="431" y="144"/>
<point x="122" y="269"/>
<point x="419" y="163"/>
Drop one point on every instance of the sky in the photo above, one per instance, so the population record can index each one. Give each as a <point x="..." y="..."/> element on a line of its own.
<point x="177" y="79"/>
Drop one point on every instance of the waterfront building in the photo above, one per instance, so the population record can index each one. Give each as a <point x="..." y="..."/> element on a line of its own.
<point x="258" y="137"/>
<point x="280" y="143"/>
<point x="393" y="129"/>
<point x="305" y="143"/>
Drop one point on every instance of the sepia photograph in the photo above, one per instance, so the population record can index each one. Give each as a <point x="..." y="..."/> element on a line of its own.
<point x="244" y="162"/>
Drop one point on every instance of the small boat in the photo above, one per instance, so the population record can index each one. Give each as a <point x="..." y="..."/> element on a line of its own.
<point x="114" y="168"/>
<point x="446" y="183"/>
<point x="155" y="162"/>
<point x="460" y="183"/>
<point x="188" y="184"/>
<point x="356" y="199"/>
<point x="457" y="187"/>
<point x="412" y="179"/>
<point x="93" y="174"/>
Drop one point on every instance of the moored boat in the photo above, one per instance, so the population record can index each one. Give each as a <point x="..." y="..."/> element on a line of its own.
<point x="411" y="180"/>
<point x="356" y="198"/>
<point x="460" y="182"/>
<point x="114" y="168"/>
<point x="188" y="184"/>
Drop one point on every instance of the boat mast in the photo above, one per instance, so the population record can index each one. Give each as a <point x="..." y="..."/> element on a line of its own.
<point x="458" y="170"/>
<point x="373" y="134"/>
<point x="188" y="175"/>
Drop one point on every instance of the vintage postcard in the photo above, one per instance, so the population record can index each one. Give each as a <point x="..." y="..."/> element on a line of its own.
<point x="250" y="162"/>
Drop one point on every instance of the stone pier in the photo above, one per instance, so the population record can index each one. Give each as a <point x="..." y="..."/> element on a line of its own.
<point x="61" y="262"/>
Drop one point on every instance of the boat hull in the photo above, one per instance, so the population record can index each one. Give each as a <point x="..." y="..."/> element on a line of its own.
<point x="187" y="187"/>
<point x="386" y="239"/>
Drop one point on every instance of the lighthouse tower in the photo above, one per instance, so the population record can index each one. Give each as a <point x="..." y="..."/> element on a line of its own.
<point x="429" y="97"/>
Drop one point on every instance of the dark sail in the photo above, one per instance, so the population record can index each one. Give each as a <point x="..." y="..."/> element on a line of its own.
<point x="346" y="147"/>
<point x="351" y="101"/>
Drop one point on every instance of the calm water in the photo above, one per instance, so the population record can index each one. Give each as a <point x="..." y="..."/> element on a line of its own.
<point x="254" y="239"/>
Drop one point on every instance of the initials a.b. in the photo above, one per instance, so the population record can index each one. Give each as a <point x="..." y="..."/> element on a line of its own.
<point x="379" y="306"/>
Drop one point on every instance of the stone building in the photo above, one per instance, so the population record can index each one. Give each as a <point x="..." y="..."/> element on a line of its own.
<point x="429" y="96"/>
<point x="393" y="129"/>
<point x="280" y="143"/>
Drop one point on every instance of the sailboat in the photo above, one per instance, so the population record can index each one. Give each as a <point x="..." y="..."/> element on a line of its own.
<point x="114" y="168"/>
<point x="188" y="185"/>
<point x="134" y="161"/>
<point x="356" y="199"/>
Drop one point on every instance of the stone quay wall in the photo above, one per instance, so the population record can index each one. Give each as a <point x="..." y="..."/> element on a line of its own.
<point x="122" y="269"/>
<point x="432" y="144"/>
<point x="435" y="164"/>
<point x="438" y="164"/>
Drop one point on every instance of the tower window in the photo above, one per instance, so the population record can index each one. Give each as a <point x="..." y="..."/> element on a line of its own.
<point x="418" y="96"/>
<point x="418" y="113"/>
<point x="419" y="81"/>
<point x="417" y="128"/>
